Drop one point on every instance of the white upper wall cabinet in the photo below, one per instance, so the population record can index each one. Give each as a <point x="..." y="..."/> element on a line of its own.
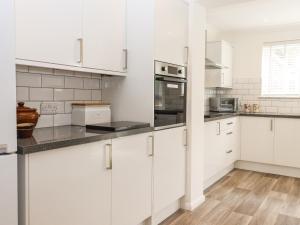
<point x="171" y="31"/>
<point x="87" y="35"/>
<point x="49" y="31"/>
<point x="219" y="52"/>
<point x="104" y="35"/>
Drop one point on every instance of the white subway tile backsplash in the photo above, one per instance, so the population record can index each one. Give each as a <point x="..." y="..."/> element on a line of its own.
<point x="36" y="86"/>
<point x="82" y="94"/>
<point x="40" y="70"/>
<point x="73" y="82"/>
<point x="91" y="83"/>
<point x="62" y="119"/>
<point x="96" y="95"/>
<point x="53" y="81"/>
<point x="28" y="80"/>
<point x="41" y="94"/>
<point x="22" y="94"/>
<point x="45" y="121"/>
<point x="63" y="94"/>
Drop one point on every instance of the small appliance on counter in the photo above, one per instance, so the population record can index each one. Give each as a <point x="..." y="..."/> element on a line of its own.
<point x="221" y="105"/>
<point x="169" y="95"/>
<point x="90" y="113"/>
<point x="118" y="126"/>
<point x="27" y="119"/>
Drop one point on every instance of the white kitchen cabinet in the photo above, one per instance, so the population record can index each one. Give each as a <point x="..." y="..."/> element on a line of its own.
<point x="169" y="166"/>
<point x="69" y="186"/>
<point x="219" y="52"/>
<point x="131" y="179"/>
<point x="104" y="35"/>
<point x="171" y="31"/>
<point x="257" y="139"/>
<point x="287" y="142"/>
<point x="49" y="31"/>
<point x="222" y="147"/>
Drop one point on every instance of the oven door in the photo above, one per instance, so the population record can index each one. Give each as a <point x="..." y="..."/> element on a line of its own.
<point x="169" y="102"/>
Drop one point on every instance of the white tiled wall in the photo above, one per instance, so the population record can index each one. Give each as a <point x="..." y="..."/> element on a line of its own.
<point x="248" y="90"/>
<point x="38" y="85"/>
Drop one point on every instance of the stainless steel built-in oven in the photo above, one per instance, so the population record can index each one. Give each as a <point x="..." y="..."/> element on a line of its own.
<point x="170" y="95"/>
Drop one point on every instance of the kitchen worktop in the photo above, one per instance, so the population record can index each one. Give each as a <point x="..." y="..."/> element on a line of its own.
<point x="219" y="116"/>
<point x="58" y="137"/>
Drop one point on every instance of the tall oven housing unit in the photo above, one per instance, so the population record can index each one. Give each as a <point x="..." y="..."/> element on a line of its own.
<point x="8" y="141"/>
<point x="169" y="95"/>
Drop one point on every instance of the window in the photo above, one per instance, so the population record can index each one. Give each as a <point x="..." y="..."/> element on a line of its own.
<point x="281" y="69"/>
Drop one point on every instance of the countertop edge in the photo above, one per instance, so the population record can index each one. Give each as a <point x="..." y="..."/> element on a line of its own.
<point x="24" y="150"/>
<point x="252" y="115"/>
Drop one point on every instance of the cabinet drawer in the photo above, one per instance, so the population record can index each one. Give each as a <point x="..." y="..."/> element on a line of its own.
<point x="228" y="124"/>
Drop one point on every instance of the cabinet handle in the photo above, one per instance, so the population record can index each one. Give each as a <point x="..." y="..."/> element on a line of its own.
<point x="125" y="52"/>
<point x="185" y="138"/>
<point x="108" y="156"/>
<point x="151" y="146"/>
<point x="3" y="148"/>
<point x="80" y="60"/>
<point x="186" y="55"/>
<point x="229" y="133"/>
<point x="228" y="152"/>
<point x="271" y="127"/>
<point x="230" y="123"/>
<point x="219" y="128"/>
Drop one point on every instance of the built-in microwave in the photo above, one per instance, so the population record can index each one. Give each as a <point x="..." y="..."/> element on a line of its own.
<point x="169" y="95"/>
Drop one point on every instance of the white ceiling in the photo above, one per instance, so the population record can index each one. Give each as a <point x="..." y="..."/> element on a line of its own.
<point x="249" y="14"/>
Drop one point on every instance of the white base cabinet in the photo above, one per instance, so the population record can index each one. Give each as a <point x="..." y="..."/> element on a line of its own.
<point x="222" y="146"/>
<point x="257" y="139"/>
<point x="131" y="179"/>
<point x="287" y="142"/>
<point x="69" y="186"/>
<point x="169" y="166"/>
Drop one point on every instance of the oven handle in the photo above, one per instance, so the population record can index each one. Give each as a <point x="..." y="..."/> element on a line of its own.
<point x="170" y="79"/>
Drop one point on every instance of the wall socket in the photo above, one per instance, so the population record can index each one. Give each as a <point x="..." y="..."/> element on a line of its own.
<point x="49" y="108"/>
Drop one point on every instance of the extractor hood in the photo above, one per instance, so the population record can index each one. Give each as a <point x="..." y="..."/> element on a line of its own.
<point x="211" y="65"/>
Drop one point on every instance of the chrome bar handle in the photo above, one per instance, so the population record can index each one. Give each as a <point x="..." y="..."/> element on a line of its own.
<point x="108" y="156"/>
<point x="219" y="128"/>
<point x="80" y="60"/>
<point x="125" y="52"/>
<point x="228" y="152"/>
<point x="186" y="55"/>
<point x="151" y="146"/>
<point x="272" y="125"/>
<point x="185" y="138"/>
<point x="229" y="133"/>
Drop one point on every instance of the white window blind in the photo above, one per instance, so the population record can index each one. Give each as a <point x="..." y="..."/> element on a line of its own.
<point x="281" y="69"/>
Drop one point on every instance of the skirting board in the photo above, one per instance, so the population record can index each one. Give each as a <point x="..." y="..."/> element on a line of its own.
<point x="209" y="182"/>
<point x="268" y="168"/>
<point x="190" y="206"/>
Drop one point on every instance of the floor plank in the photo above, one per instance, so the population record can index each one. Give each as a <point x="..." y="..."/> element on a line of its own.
<point x="246" y="198"/>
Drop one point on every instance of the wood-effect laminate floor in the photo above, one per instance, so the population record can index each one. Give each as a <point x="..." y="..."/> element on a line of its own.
<point x="246" y="198"/>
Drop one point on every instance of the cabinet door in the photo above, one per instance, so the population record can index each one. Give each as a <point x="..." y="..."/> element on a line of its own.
<point x="104" y="34"/>
<point x="169" y="166"/>
<point x="70" y="186"/>
<point x="131" y="179"/>
<point x="257" y="136"/>
<point x="49" y="31"/>
<point x="214" y="154"/>
<point x="171" y="31"/>
<point x="287" y="142"/>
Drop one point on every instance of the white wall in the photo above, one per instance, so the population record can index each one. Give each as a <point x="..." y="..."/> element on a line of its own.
<point x="248" y="48"/>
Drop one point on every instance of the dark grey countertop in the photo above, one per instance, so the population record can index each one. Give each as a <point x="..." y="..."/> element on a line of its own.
<point x="220" y="116"/>
<point x="58" y="137"/>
